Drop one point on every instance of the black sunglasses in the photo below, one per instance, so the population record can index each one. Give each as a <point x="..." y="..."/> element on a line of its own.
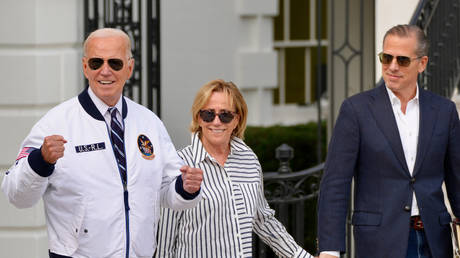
<point x="225" y="117"/>
<point x="114" y="63"/>
<point x="405" y="61"/>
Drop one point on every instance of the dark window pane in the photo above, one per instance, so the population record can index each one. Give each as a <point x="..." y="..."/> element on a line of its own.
<point x="279" y="22"/>
<point x="314" y="72"/>
<point x="299" y="19"/>
<point x="323" y="18"/>
<point x="295" y="75"/>
<point x="276" y="95"/>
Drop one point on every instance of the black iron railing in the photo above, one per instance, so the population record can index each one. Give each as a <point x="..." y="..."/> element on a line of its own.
<point x="292" y="195"/>
<point x="441" y="22"/>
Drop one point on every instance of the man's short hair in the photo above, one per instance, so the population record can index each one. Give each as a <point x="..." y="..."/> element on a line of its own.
<point x="406" y="30"/>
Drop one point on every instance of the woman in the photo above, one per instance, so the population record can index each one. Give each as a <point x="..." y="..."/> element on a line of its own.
<point x="233" y="204"/>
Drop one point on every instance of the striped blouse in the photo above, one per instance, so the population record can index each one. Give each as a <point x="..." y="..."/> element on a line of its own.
<point x="233" y="206"/>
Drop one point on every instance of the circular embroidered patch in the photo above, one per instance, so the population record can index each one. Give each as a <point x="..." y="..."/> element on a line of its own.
<point x="145" y="147"/>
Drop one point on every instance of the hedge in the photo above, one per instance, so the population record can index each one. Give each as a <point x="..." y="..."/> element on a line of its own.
<point x="302" y="138"/>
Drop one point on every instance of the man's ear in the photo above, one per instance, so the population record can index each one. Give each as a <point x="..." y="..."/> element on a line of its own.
<point x="422" y="64"/>
<point x="84" y="66"/>
<point x="130" y="66"/>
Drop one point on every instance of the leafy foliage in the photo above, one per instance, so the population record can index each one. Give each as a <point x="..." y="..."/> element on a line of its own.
<point x="302" y="138"/>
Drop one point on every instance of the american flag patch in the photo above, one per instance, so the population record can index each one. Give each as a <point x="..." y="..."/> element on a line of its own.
<point x="24" y="152"/>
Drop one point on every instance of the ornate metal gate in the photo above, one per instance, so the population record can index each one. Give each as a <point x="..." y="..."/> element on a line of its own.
<point x="140" y="20"/>
<point x="440" y="20"/>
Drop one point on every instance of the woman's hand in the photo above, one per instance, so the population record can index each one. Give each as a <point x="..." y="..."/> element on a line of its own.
<point x="191" y="178"/>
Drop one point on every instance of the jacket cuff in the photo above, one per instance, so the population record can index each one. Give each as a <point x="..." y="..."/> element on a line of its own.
<point x="180" y="190"/>
<point x="38" y="164"/>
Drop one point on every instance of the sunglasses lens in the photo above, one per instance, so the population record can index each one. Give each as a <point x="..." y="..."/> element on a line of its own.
<point x="116" y="64"/>
<point x="386" y="58"/>
<point x="207" y="115"/>
<point x="226" y="117"/>
<point x="403" y="60"/>
<point x="95" y="63"/>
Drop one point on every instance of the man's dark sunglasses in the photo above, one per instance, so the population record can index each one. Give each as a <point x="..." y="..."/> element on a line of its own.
<point x="208" y="115"/>
<point x="405" y="61"/>
<point x="114" y="63"/>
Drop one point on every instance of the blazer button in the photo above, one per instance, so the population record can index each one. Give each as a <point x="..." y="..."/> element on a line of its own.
<point x="412" y="180"/>
<point x="407" y="208"/>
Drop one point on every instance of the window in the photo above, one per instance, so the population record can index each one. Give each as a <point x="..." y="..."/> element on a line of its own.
<point x="297" y="45"/>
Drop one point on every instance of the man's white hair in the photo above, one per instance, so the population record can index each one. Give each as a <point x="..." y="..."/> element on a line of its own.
<point x="105" y="33"/>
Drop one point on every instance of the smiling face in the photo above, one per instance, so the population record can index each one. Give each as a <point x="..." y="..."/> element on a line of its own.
<point x="215" y="134"/>
<point x="105" y="82"/>
<point x="402" y="80"/>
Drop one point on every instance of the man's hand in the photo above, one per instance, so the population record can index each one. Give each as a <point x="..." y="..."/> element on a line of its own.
<point x="323" y="255"/>
<point x="53" y="148"/>
<point x="191" y="178"/>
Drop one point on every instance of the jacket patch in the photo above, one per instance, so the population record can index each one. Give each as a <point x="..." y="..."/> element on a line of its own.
<point x="25" y="152"/>
<point x="145" y="147"/>
<point x="90" y="147"/>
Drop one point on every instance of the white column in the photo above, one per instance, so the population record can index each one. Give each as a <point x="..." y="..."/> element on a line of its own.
<point x="256" y="61"/>
<point x="40" y="67"/>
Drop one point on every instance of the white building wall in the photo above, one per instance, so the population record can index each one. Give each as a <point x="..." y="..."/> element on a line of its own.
<point x="389" y="13"/>
<point x="203" y="40"/>
<point x="40" y="67"/>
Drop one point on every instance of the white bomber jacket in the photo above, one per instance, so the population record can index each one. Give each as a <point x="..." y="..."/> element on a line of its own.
<point x="84" y="198"/>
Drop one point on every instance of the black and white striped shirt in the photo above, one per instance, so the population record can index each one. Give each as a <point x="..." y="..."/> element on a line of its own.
<point x="233" y="206"/>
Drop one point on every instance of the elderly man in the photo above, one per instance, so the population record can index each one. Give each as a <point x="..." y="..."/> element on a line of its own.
<point x="400" y="143"/>
<point x="102" y="163"/>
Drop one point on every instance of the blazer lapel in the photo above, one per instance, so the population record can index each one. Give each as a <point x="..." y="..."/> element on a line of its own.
<point x="384" y="116"/>
<point x="428" y="117"/>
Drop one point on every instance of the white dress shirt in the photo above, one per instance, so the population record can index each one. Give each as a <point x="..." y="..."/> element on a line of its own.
<point x="408" y="127"/>
<point x="232" y="208"/>
<point x="103" y="108"/>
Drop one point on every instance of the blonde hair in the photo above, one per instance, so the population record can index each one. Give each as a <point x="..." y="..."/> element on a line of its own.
<point x="109" y="32"/>
<point x="236" y="100"/>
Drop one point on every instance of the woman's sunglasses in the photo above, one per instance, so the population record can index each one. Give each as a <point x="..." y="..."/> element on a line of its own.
<point x="405" y="61"/>
<point x="208" y="115"/>
<point x="114" y="63"/>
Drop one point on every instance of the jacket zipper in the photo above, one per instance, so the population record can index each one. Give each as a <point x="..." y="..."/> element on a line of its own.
<point x="125" y="195"/>
<point x="125" y="199"/>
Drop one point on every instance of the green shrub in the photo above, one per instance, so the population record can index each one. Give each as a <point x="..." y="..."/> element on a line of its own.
<point x="302" y="138"/>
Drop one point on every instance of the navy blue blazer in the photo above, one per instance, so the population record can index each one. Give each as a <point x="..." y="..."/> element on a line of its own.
<point x="366" y="146"/>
